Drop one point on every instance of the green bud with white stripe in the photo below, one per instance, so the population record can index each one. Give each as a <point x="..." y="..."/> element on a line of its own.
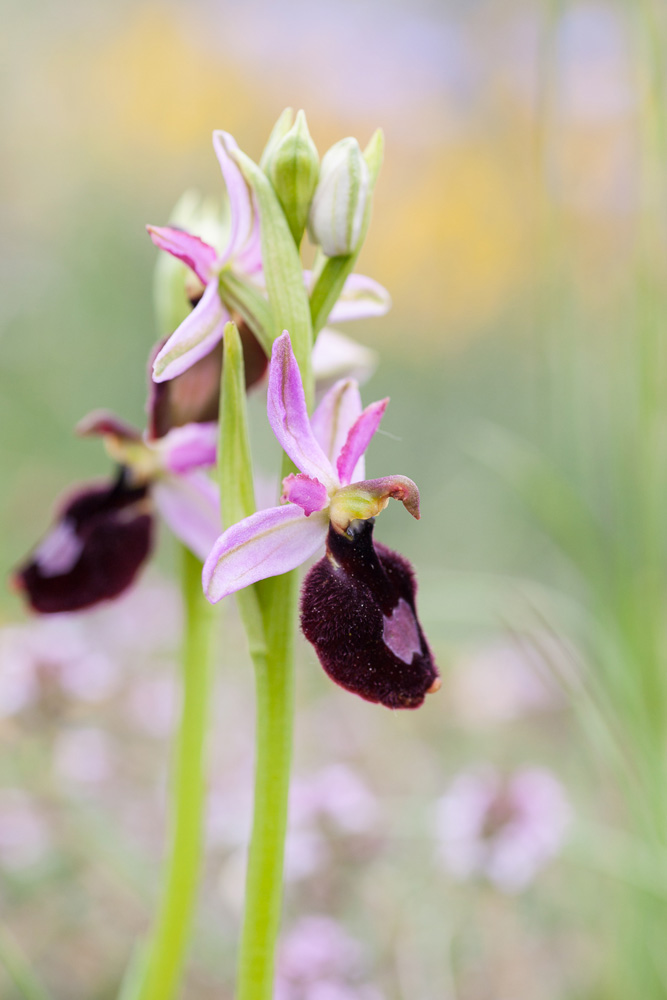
<point x="337" y="211"/>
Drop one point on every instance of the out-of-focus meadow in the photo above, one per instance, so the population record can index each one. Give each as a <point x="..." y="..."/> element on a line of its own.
<point x="509" y="839"/>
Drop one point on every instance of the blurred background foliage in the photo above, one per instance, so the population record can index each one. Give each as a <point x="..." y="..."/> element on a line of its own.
<point x="519" y="225"/>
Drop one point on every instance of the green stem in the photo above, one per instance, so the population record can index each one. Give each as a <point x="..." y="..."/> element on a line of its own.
<point x="167" y="950"/>
<point x="274" y="673"/>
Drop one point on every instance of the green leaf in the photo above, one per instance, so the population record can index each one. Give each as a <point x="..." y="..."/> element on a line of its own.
<point x="335" y="271"/>
<point x="282" y="269"/>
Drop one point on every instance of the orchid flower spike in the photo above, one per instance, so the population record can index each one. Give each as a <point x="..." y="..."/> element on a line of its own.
<point x="329" y="488"/>
<point x="103" y="533"/>
<point x="203" y="328"/>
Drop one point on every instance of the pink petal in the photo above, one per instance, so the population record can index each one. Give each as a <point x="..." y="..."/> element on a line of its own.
<point x="198" y="255"/>
<point x="265" y="544"/>
<point x="361" y="298"/>
<point x="288" y="416"/>
<point x="308" y="493"/>
<point x="195" y="337"/>
<point x="190" y="505"/>
<point x="240" y="205"/>
<point x="193" y="446"/>
<point x="334" y="418"/>
<point x="359" y="438"/>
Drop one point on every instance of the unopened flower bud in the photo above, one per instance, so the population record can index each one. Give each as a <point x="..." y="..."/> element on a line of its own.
<point x="337" y="210"/>
<point x="358" y="611"/>
<point x="293" y="169"/>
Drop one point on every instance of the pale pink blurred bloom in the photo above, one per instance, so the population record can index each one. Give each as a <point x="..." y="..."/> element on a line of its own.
<point x="336" y="793"/>
<point x="500" y="683"/>
<point x="54" y="649"/>
<point x="90" y="678"/>
<point x="318" y="947"/>
<point x="503" y="829"/>
<point x="146" y="619"/>
<point x="24" y="836"/>
<point x="306" y="852"/>
<point x="19" y="684"/>
<point x="83" y="755"/>
<point x="152" y="703"/>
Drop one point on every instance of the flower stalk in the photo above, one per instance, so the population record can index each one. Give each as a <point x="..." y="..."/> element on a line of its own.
<point x="167" y="950"/>
<point x="268" y="611"/>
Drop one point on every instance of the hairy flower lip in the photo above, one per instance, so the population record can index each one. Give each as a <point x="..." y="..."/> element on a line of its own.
<point x="358" y="611"/>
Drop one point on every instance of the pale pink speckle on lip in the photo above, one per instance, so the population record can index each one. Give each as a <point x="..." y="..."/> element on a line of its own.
<point x="400" y="632"/>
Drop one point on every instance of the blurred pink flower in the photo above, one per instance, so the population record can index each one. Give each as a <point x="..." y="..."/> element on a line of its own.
<point x="501" y="682"/>
<point x="83" y="755"/>
<point x="503" y="829"/>
<point x="318" y="960"/>
<point x="318" y="947"/>
<point x="336" y="793"/>
<point x="153" y="703"/>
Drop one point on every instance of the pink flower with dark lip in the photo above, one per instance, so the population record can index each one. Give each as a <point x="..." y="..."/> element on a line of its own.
<point x="279" y="539"/>
<point x="358" y="603"/>
<point x="104" y="532"/>
<point x="203" y="328"/>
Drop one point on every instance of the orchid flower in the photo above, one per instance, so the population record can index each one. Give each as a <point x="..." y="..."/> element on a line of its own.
<point x="276" y="540"/>
<point x="203" y="328"/>
<point x="358" y="603"/>
<point x="104" y="532"/>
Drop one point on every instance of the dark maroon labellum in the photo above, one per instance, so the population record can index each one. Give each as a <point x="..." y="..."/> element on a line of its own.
<point x="94" y="551"/>
<point x="358" y="611"/>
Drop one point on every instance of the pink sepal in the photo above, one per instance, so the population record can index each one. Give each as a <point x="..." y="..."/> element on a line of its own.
<point x="238" y="193"/>
<point x="288" y="416"/>
<point x="190" y="505"/>
<point x="265" y="544"/>
<point x="358" y="439"/>
<point x="198" y="256"/>
<point x="197" y="335"/>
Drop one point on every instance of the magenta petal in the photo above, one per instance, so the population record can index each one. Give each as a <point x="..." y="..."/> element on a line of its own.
<point x="308" y="493"/>
<point x="194" y="339"/>
<point x="193" y="446"/>
<point x="361" y="298"/>
<point x="265" y="544"/>
<point x="288" y="416"/>
<point x="190" y="505"/>
<point x="238" y="193"/>
<point x="358" y="439"/>
<point x="198" y="255"/>
<point x="334" y="418"/>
